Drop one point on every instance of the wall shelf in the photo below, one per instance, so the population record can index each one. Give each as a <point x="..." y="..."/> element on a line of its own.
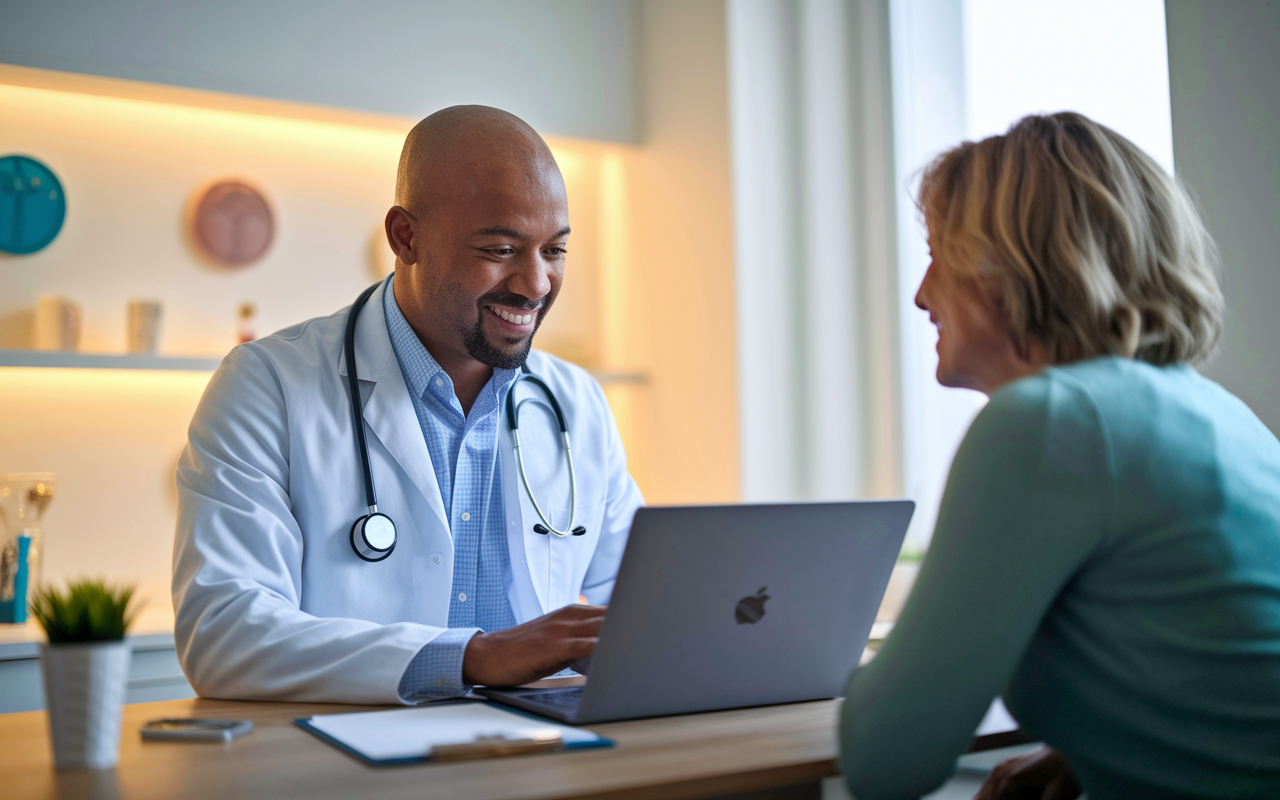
<point x="619" y="377"/>
<point x="64" y="360"/>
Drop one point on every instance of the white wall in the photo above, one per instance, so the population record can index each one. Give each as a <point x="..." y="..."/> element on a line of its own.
<point x="677" y="258"/>
<point x="1224" y="74"/>
<point x="814" y="239"/>
<point x="128" y="170"/>
<point x="568" y="67"/>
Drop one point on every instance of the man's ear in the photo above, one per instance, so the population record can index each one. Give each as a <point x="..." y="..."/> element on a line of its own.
<point x="400" y="237"/>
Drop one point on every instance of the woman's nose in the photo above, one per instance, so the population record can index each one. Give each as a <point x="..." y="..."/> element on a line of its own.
<point x="921" y="302"/>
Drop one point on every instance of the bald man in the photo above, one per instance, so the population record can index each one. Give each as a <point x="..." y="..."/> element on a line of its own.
<point x="280" y="591"/>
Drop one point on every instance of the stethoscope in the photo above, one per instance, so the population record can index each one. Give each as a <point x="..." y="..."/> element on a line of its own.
<point x="373" y="536"/>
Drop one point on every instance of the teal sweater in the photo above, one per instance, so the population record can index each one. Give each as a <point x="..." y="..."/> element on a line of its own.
<point x="1107" y="555"/>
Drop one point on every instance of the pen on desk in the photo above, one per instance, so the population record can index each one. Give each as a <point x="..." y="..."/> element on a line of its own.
<point x="488" y="746"/>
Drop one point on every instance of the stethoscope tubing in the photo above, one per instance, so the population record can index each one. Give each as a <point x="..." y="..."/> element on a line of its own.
<point x="573" y="484"/>
<point x="513" y="423"/>
<point x="383" y="527"/>
<point x="353" y="387"/>
<point x="360" y="542"/>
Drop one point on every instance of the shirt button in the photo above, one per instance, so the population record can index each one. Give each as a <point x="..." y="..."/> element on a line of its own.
<point x="462" y="597"/>
<point x="436" y="558"/>
<point x="439" y="382"/>
<point x="465" y="516"/>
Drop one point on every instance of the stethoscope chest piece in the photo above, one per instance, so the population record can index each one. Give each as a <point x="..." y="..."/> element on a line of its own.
<point x="373" y="536"/>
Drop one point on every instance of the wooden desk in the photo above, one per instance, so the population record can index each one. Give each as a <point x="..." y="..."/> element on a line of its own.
<point x="699" y="755"/>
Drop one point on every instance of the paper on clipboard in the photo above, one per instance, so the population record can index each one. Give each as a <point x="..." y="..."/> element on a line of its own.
<point x="410" y="734"/>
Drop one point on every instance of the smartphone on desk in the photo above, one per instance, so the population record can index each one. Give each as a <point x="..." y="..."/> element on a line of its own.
<point x="195" y="730"/>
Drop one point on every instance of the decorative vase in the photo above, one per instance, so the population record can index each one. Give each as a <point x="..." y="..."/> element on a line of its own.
<point x="84" y="686"/>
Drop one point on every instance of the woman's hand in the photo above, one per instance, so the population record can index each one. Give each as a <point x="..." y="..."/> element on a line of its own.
<point x="1042" y="775"/>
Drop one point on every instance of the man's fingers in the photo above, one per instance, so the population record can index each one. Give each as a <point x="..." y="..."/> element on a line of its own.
<point x="580" y="612"/>
<point x="580" y="648"/>
<point x="574" y="628"/>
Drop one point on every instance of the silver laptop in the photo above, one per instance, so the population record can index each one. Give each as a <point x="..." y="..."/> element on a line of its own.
<point x="729" y="606"/>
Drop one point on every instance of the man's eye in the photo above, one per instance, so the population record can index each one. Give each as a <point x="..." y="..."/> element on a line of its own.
<point x="555" y="251"/>
<point x="503" y="251"/>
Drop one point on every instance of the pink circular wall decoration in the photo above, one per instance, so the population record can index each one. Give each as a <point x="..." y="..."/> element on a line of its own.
<point x="232" y="224"/>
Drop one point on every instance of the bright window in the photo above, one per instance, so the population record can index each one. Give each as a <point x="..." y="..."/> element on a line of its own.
<point x="1104" y="58"/>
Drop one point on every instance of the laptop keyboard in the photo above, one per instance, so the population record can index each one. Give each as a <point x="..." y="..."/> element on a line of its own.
<point x="560" y="699"/>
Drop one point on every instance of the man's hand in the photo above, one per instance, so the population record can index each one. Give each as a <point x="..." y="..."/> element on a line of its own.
<point x="1042" y="775"/>
<point x="536" y="649"/>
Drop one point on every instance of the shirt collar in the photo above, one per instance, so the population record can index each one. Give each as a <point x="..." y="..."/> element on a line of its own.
<point x="422" y="373"/>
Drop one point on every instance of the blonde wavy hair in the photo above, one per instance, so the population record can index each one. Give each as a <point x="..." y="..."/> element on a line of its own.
<point x="1083" y="242"/>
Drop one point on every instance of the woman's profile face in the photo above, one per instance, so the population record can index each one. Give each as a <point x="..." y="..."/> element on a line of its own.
<point x="975" y="350"/>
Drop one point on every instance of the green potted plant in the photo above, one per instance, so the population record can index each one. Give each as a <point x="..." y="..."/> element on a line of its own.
<point x="85" y="665"/>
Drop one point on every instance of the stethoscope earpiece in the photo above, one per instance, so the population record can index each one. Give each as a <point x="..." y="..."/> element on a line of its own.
<point x="542" y="529"/>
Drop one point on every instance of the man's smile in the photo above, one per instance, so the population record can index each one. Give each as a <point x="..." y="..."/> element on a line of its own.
<point x="514" y="320"/>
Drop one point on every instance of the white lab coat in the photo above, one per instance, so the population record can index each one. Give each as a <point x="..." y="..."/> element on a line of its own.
<point x="271" y="600"/>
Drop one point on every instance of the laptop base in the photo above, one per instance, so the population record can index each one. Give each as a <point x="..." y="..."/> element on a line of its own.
<point x="554" y="703"/>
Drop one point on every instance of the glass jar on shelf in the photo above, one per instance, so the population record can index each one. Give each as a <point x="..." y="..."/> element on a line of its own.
<point x="23" y="500"/>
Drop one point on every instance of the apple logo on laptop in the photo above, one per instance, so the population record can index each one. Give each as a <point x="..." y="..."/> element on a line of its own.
<point x="751" y="608"/>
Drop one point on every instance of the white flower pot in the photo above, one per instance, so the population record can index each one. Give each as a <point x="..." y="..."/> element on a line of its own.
<point x="84" y="692"/>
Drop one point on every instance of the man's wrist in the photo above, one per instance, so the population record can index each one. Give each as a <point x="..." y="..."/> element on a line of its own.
<point x="436" y="670"/>
<point x="473" y="657"/>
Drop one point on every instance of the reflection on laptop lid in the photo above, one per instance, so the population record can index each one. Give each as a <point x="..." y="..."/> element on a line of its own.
<point x="727" y="606"/>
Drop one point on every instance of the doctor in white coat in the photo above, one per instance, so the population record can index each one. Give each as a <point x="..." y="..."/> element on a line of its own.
<point x="271" y="599"/>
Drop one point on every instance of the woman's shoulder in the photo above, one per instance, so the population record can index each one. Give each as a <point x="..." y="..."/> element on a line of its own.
<point x="1069" y="395"/>
<point x="1101" y="387"/>
<point x="1135" y="405"/>
<point x="1094" y="405"/>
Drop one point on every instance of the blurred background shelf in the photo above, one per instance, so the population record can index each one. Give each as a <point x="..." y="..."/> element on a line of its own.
<point x="606" y="377"/>
<point x="54" y="359"/>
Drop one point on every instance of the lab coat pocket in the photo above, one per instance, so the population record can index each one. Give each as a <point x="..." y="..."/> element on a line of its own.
<point x="570" y="556"/>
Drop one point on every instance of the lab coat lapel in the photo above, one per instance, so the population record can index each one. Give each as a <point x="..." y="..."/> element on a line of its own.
<point x="389" y="409"/>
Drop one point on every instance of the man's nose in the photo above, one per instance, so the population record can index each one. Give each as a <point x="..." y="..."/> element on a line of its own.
<point x="532" y="278"/>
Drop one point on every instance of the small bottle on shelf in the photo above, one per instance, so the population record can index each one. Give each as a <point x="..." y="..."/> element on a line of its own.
<point x="244" y="323"/>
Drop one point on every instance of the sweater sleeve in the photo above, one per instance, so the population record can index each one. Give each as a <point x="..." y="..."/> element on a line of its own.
<point x="1028" y="498"/>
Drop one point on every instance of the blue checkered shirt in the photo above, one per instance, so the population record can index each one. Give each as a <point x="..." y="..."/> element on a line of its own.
<point x="464" y="452"/>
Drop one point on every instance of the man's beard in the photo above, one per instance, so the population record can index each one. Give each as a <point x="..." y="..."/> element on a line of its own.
<point x="479" y="348"/>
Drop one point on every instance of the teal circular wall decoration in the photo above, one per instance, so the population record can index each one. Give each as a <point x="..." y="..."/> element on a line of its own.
<point x="32" y="205"/>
